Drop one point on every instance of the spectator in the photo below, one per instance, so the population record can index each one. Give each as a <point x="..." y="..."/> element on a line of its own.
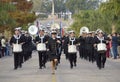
<point x="108" y="47"/>
<point x="7" y="53"/>
<point x="3" y="45"/>
<point x="118" y="48"/>
<point x="0" y="48"/>
<point x="114" y="45"/>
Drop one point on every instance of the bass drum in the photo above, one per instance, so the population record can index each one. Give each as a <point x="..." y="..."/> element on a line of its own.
<point x="17" y="48"/>
<point x="101" y="48"/>
<point x="33" y="30"/>
<point x="41" y="47"/>
<point x="72" y="49"/>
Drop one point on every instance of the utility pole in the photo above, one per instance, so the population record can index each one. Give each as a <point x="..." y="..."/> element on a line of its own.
<point x="53" y="8"/>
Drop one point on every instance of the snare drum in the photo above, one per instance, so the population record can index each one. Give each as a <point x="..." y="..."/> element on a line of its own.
<point x="101" y="47"/>
<point x="17" y="48"/>
<point x="41" y="47"/>
<point x="72" y="49"/>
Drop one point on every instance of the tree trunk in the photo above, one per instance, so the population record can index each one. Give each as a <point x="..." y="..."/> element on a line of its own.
<point x="113" y="28"/>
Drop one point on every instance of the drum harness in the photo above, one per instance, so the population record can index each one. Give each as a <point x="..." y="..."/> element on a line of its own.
<point x="101" y="39"/>
<point x="41" y="38"/>
<point x="17" y="37"/>
<point x="72" y="40"/>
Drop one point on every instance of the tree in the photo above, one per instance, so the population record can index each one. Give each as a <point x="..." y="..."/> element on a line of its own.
<point x="45" y="6"/>
<point x="112" y="7"/>
<point x="76" y="5"/>
<point x="23" y="5"/>
<point x="106" y="17"/>
<point x="23" y="15"/>
<point x="60" y="6"/>
<point x="15" y="13"/>
<point x="6" y="21"/>
<point x="93" y="19"/>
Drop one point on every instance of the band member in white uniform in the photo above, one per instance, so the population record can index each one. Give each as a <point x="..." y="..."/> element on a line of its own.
<point x="101" y="50"/>
<point x="72" y="50"/>
<point x="41" y="41"/>
<point x="16" y="41"/>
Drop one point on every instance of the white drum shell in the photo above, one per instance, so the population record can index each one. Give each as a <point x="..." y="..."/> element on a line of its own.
<point x="101" y="47"/>
<point x="72" y="49"/>
<point x="41" y="47"/>
<point x="17" y="48"/>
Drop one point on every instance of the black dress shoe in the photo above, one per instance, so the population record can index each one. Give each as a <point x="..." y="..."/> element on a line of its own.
<point x="15" y="68"/>
<point x="99" y="68"/>
<point x="20" y="66"/>
<point x="103" y="65"/>
<point x="40" y="67"/>
<point x="75" y="65"/>
<point x="71" y="66"/>
<point x="44" y="66"/>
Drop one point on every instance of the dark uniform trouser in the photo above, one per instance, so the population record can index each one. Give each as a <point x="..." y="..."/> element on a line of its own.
<point x="90" y="54"/>
<point x="42" y="58"/>
<point x="82" y="51"/>
<point x="30" y="54"/>
<point x="27" y="55"/>
<point x="101" y="59"/>
<point x="0" y="53"/>
<point x="72" y="58"/>
<point x="17" y="60"/>
<point x="59" y="54"/>
<point x="66" y="52"/>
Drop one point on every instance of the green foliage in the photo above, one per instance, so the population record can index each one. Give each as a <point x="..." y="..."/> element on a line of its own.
<point x="7" y="7"/>
<point x="43" y="16"/>
<point x="106" y="17"/>
<point x="92" y="19"/>
<point x="22" y="18"/>
<point x="6" y="21"/>
<point x="76" y="5"/>
<point x="113" y="8"/>
<point x="45" y="6"/>
<point x="12" y="16"/>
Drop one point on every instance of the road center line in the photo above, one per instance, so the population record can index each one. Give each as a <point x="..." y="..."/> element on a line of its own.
<point x="54" y="78"/>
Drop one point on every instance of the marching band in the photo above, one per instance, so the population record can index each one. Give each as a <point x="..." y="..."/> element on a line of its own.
<point x="91" y="46"/>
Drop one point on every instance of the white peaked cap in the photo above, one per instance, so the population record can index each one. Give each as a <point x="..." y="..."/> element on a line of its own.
<point x="53" y="31"/>
<point x="18" y="28"/>
<point x="100" y="31"/>
<point x="41" y="29"/>
<point x="72" y="31"/>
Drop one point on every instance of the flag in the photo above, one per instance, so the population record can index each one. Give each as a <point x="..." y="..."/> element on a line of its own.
<point x="38" y="25"/>
<point x="61" y="30"/>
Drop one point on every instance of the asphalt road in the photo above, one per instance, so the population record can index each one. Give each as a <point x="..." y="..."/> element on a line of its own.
<point x="84" y="72"/>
